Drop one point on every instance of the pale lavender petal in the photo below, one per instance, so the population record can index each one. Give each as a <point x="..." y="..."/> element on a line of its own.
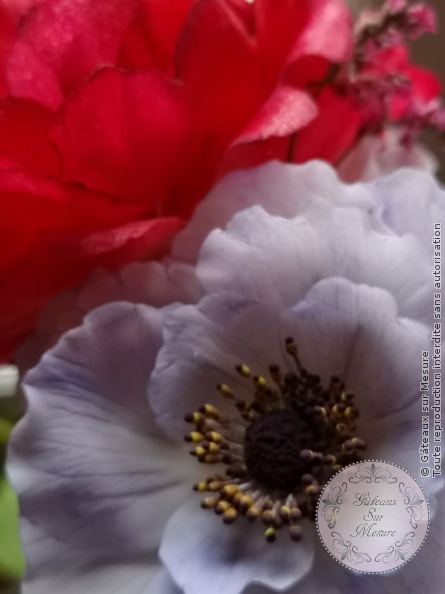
<point x="54" y="567"/>
<point x="277" y="261"/>
<point x="282" y="190"/>
<point x="91" y="468"/>
<point x="424" y="573"/>
<point x="224" y="559"/>
<point x="411" y="202"/>
<point x="341" y="328"/>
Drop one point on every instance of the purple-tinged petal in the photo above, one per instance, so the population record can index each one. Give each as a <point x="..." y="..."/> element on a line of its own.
<point x="340" y="328"/>
<point x="91" y="468"/>
<point x="282" y="190"/>
<point x="323" y="242"/>
<point x="425" y="573"/>
<point x="54" y="567"/>
<point x="224" y="559"/>
<point x="406" y="215"/>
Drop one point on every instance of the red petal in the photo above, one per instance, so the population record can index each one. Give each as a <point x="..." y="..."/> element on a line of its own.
<point x="426" y="84"/>
<point x="32" y="209"/>
<point x="286" y="111"/>
<point x="123" y="133"/>
<point x="151" y="38"/>
<point x="388" y="61"/>
<point x="61" y="42"/>
<point x="289" y="30"/>
<point x="55" y="264"/>
<point x="139" y="240"/>
<point x="306" y="72"/>
<point x="32" y="203"/>
<point x="279" y="26"/>
<point x="331" y="133"/>
<point x="24" y="136"/>
<point x="243" y="156"/>
<point x="10" y="14"/>
<point x="218" y="63"/>
<point x="51" y="235"/>
<point x="328" y="33"/>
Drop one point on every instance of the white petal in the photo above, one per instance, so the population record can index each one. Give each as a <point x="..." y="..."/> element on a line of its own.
<point x="424" y="573"/>
<point x="399" y="443"/>
<point x="411" y="202"/>
<point x="91" y="467"/>
<point x="202" y="346"/>
<point x="205" y="556"/>
<point x="281" y="189"/>
<point x="276" y="260"/>
<point x="77" y="573"/>
<point x="340" y="328"/>
<point x="355" y="332"/>
<point x="162" y="583"/>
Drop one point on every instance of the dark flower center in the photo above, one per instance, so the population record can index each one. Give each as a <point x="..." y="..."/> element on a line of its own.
<point x="272" y="447"/>
<point x="284" y="442"/>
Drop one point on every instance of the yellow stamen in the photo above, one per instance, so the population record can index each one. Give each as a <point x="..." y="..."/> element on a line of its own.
<point x="214" y="436"/>
<point x="229" y="490"/>
<point x="210" y="502"/>
<point x="202" y="486"/>
<point x="195" y="437"/>
<point x="226" y="391"/>
<point x="260" y="382"/>
<point x="243" y="370"/>
<point x="222" y="507"/>
<point x="230" y="515"/>
<point x="252" y="513"/>
<point x="211" y="410"/>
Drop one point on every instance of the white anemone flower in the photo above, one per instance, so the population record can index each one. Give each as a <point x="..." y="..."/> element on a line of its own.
<point x="310" y="299"/>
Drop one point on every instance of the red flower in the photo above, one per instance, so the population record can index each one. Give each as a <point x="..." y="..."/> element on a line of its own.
<point x="117" y="117"/>
<point x="422" y="85"/>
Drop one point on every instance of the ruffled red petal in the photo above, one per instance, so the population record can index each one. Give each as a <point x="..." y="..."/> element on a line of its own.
<point x="24" y="136"/>
<point x="243" y="156"/>
<point x="61" y="42"/>
<point x="123" y="133"/>
<point x="136" y="150"/>
<point x="217" y="61"/>
<point x="54" y="264"/>
<point x="328" y="33"/>
<point x="151" y="38"/>
<point x="287" y="110"/>
<point x="332" y="132"/>
<point x="10" y="15"/>
<point x="55" y="235"/>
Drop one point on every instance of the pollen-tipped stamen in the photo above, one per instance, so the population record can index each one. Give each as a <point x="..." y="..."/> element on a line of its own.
<point x="293" y="411"/>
